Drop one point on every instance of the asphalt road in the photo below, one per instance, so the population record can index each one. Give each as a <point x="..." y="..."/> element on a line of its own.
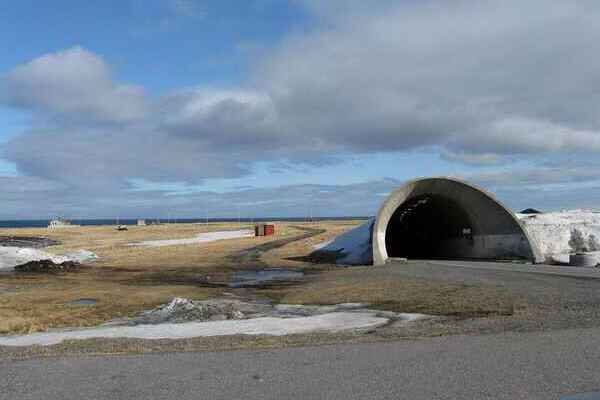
<point x="543" y="269"/>
<point x="552" y="286"/>
<point x="510" y="366"/>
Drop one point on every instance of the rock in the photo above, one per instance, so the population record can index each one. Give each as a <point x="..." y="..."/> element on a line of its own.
<point x="236" y="314"/>
<point x="181" y="310"/>
<point x="48" y="267"/>
<point x="184" y="310"/>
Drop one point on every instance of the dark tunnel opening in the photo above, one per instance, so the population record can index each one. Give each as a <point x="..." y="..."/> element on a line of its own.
<point x="429" y="226"/>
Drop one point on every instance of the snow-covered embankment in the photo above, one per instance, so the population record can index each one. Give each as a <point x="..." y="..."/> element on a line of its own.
<point x="352" y="247"/>
<point x="559" y="234"/>
<point x="13" y="256"/>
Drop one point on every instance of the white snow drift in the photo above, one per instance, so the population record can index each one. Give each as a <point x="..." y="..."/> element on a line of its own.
<point x="353" y="247"/>
<point x="559" y="234"/>
<point x="13" y="256"/>
<point x="200" y="238"/>
<point x="184" y="318"/>
<point x="258" y="326"/>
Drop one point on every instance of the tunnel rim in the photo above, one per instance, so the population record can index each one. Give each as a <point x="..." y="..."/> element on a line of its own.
<point x="397" y="197"/>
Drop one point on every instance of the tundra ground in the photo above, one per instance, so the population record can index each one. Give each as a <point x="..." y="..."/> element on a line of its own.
<point x="462" y="297"/>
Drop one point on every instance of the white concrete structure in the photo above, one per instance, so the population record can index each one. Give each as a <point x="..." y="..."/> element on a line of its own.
<point x="60" y="223"/>
<point x="447" y="218"/>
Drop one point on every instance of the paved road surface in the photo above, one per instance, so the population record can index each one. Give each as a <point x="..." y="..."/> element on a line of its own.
<point x="543" y="269"/>
<point x="557" y="288"/>
<point x="509" y="366"/>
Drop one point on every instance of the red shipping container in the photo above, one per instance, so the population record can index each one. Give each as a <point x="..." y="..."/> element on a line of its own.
<point x="269" y="230"/>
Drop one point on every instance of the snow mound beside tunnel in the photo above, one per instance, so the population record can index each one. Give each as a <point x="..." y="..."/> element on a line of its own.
<point x="559" y="234"/>
<point x="353" y="247"/>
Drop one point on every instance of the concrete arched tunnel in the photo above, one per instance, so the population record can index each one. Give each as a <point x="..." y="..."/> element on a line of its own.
<point x="445" y="218"/>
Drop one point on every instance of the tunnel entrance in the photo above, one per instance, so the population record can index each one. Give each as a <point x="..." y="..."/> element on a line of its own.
<point x="449" y="219"/>
<point x="429" y="226"/>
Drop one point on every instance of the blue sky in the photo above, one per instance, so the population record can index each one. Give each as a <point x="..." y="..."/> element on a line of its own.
<point x="137" y="108"/>
<point x="159" y="44"/>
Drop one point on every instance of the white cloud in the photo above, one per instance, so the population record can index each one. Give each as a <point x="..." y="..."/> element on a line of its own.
<point x="235" y="118"/>
<point x="74" y="83"/>
<point x="478" y="159"/>
<point x="480" y="82"/>
<point x="486" y="78"/>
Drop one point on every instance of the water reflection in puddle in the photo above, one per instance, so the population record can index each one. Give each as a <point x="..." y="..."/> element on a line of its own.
<point x="261" y="277"/>
<point x="83" y="302"/>
<point x="583" y="396"/>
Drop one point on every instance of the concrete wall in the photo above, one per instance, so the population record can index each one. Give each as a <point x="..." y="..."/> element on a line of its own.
<point x="511" y="246"/>
<point x="496" y="232"/>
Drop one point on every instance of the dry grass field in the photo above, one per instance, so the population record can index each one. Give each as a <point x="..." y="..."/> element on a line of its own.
<point x="375" y="287"/>
<point x="126" y="280"/>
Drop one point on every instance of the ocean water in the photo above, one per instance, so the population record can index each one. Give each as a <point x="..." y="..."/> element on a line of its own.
<point x="42" y="223"/>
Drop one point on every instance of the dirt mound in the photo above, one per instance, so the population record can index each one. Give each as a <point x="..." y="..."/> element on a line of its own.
<point x="48" y="267"/>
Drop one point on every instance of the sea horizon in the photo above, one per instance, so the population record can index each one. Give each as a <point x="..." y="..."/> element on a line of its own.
<point x="42" y="223"/>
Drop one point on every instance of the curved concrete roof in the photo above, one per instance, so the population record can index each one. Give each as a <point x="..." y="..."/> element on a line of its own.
<point x="497" y="231"/>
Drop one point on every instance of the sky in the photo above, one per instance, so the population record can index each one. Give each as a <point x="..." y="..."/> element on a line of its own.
<point x="187" y="108"/>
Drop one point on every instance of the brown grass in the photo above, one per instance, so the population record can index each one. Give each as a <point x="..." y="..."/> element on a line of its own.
<point x="125" y="280"/>
<point x="372" y="285"/>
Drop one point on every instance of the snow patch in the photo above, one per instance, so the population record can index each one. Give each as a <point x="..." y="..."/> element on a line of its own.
<point x="182" y="318"/>
<point x="559" y="234"/>
<point x="319" y="246"/>
<point x="273" y="326"/>
<point x="13" y="256"/>
<point x="354" y="247"/>
<point x="200" y="238"/>
<point x="80" y="256"/>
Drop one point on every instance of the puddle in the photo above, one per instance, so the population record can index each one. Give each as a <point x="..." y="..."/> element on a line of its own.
<point x="264" y="276"/>
<point x="33" y="242"/>
<point x="83" y="302"/>
<point x="583" y="396"/>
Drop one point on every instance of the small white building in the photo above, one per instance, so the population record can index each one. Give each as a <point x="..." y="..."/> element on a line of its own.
<point x="59" y="223"/>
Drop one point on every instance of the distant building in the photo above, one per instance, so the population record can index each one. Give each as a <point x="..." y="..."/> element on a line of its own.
<point x="141" y="222"/>
<point x="59" y="223"/>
